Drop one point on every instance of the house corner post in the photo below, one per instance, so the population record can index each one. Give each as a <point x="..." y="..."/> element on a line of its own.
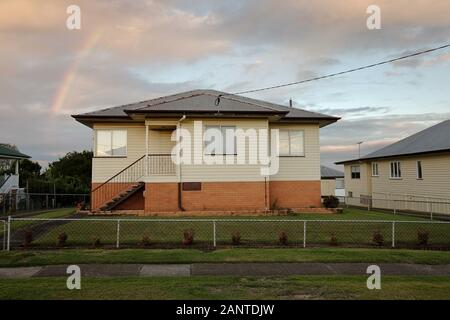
<point x="146" y="150"/>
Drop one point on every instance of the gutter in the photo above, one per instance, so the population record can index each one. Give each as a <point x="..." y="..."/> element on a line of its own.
<point x="180" y="193"/>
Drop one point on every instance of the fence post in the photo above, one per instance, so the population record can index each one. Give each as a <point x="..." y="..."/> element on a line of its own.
<point x="304" y="234"/>
<point x="393" y="234"/>
<point x="431" y="210"/>
<point x="118" y="234"/>
<point x="8" y="242"/>
<point x="4" y="235"/>
<point x="395" y="210"/>
<point x="214" y="233"/>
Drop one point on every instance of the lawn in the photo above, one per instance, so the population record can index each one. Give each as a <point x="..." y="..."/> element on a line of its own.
<point x="148" y="256"/>
<point x="249" y="232"/>
<point x="200" y="287"/>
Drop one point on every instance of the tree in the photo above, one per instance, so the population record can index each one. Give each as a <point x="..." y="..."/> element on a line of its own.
<point x="28" y="170"/>
<point x="72" y="173"/>
<point x="6" y="165"/>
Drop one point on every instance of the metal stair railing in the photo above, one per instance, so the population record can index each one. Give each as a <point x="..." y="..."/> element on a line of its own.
<point x="118" y="183"/>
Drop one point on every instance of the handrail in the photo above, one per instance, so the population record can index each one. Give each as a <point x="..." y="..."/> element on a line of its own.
<point x="118" y="173"/>
<point x="4" y="181"/>
<point x="117" y="184"/>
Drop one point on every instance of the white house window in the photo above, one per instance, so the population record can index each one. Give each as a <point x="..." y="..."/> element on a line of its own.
<point x="220" y="140"/>
<point x="356" y="172"/>
<point x="396" y="171"/>
<point x="419" y="170"/>
<point x="111" y="143"/>
<point x="375" y="172"/>
<point x="292" y="143"/>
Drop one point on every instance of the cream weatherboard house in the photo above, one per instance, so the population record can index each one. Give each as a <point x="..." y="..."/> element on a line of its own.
<point x="413" y="173"/>
<point x="133" y="169"/>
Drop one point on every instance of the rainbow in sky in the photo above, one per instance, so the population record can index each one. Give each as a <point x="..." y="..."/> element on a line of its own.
<point x="71" y="72"/>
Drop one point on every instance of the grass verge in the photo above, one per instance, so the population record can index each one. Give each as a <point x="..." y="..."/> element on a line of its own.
<point x="70" y="256"/>
<point x="309" y="287"/>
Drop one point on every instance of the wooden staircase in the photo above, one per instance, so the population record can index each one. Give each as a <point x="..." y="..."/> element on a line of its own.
<point x="119" y="187"/>
<point x="122" y="196"/>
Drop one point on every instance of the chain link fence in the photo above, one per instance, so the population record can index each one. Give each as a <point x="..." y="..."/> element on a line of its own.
<point x="3" y="233"/>
<point x="432" y="209"/>
<point x="43" y="233"/>
<point x="13" y="202"/>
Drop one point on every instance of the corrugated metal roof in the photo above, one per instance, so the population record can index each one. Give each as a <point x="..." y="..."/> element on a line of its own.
<point x="204" y="101"/>
<point x="326" y="172"/>
<point x="9" y="153"/>
<point x="433" y="139"/>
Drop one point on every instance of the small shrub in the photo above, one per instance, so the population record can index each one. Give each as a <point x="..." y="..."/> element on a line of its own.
<point x="188" y="237"/>
<point x="145" y="241"/>
<point x="80" y="206"/>
<point x="330" y="202"/>
<point x="96" y="242"/>
<point x="378" y="238"/>
<point x="283" y="238"/>
<point x="422" y="237"/>
<point x="333" y="240"/>
<point x="62" y="239"/>
<point x="236" y="238"/>
<point x="27" y="238"/>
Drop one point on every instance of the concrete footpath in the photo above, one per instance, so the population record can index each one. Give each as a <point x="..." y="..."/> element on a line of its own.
<point x="222" y="269"/>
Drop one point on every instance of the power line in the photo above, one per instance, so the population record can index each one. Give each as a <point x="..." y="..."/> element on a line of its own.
<point x="337" y="73"/>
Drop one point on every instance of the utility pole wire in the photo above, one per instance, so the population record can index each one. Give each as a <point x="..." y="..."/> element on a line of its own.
<point x="337" y="73"/>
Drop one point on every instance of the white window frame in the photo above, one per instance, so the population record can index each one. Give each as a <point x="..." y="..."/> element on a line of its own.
<point x="395" y="169"/>
<point x="96" y="131"/>
<point x="419" y="164"/>
<point x="290" y="153"/>
<point x="224" y="142"/>
<point x="351" y="171"/>
<point x="375" y="169"/>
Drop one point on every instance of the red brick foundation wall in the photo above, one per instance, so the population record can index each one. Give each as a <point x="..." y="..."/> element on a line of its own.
<point x="161" y="197"/>
<point x="226" y="196"/>
<point x="295" y="194"/>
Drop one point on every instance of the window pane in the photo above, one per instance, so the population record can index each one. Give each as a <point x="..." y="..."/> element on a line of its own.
<point x="119" y="143"/>
<point x="229" y="139"/>
<point x="296" y="140"/>
<point x="103" y="142"/>
<point x="419" y="169"/>
<point x="213" y="140"/>
<point x="284" y="143"/>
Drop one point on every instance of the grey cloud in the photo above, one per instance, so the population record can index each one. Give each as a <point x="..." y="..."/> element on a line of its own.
<point x="353" y="111"/>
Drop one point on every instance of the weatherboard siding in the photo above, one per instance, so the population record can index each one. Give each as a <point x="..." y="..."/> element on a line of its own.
<point x="224" y="172"/>
<point x="358" y="186"/>
<point x="104" y="168"/>
<point x="305" y="168"/>
<point x="435" y="182"/>
<point x="328" y="187"/>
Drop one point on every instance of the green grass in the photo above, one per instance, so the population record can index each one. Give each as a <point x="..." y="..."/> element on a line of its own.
<point x="51" y="214"/>
<point x="199" y="287"/>
<point x="72" y="256"/>
<point x="82" y="233"/>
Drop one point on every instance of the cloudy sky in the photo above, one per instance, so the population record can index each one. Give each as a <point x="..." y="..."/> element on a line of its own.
<point x="129" y="50"/>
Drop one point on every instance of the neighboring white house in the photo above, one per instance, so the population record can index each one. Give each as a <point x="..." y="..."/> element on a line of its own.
<point x="415" y="169"/>
<point x="10" y="181"/>
<point x="10" y="192"/>
<point x="332" y="182"/>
